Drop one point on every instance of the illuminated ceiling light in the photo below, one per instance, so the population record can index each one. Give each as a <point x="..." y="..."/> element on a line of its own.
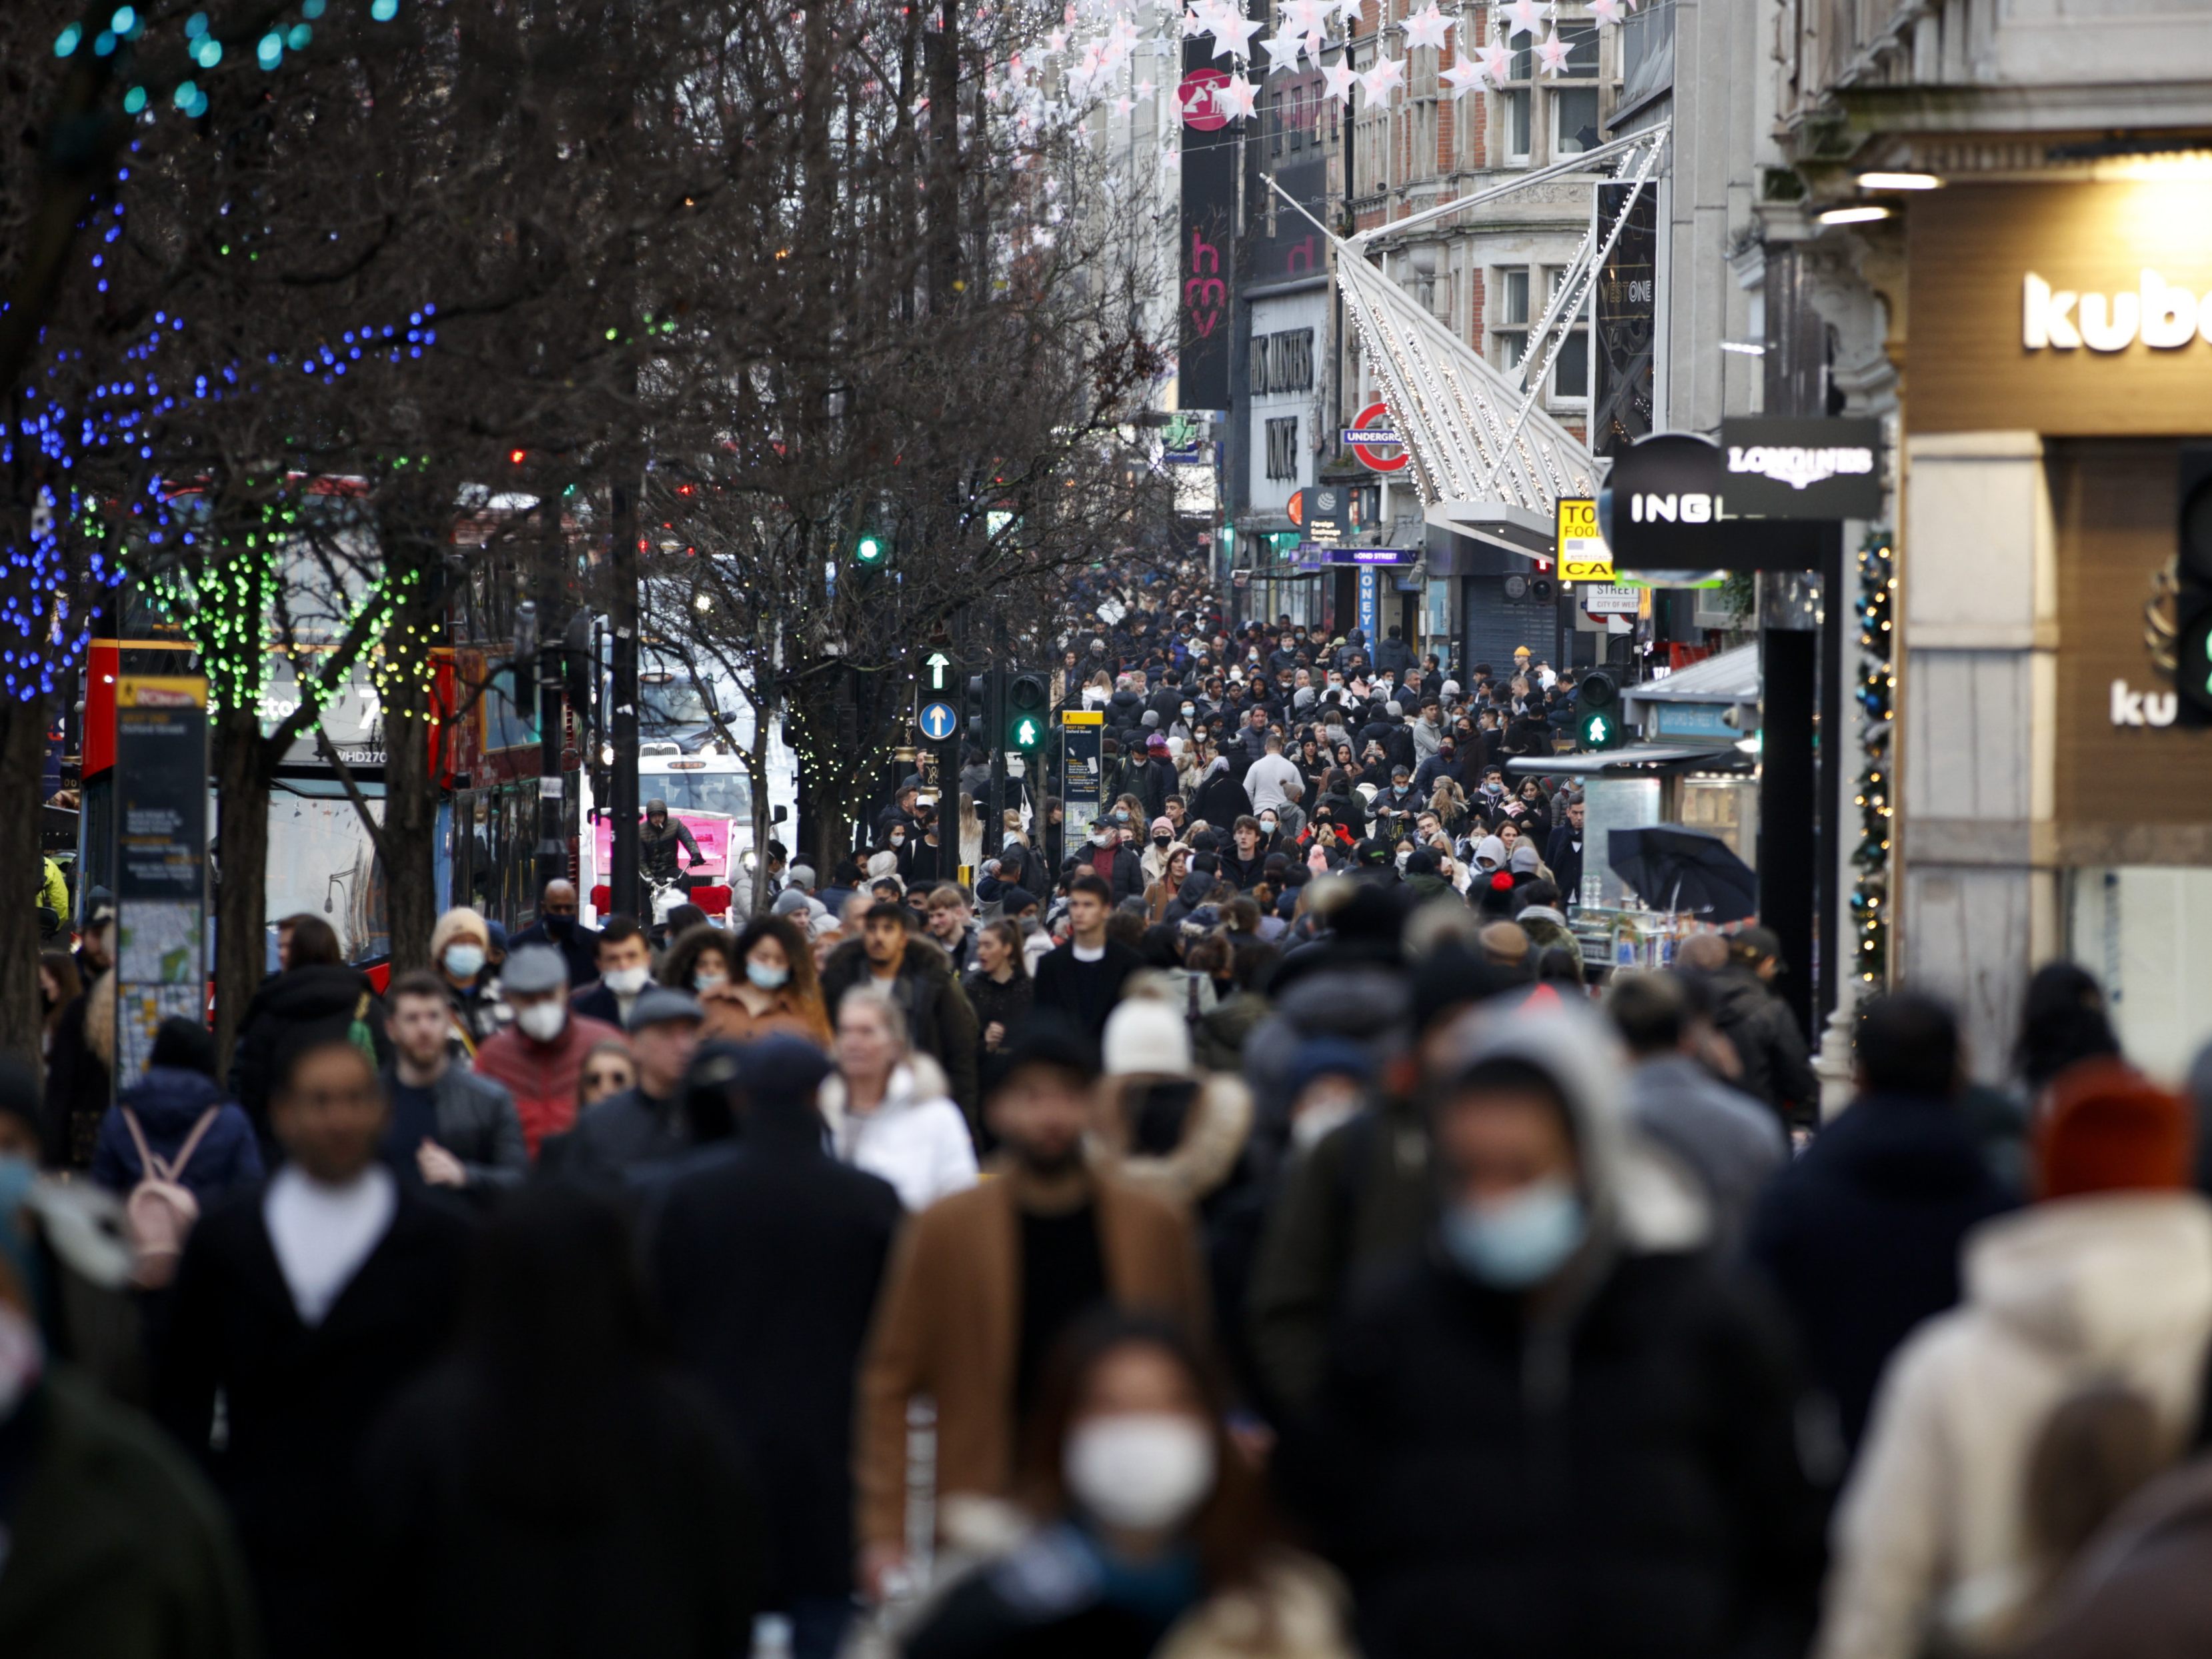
<point x="1854" y="216"/>
<point x="1899" y="181"/>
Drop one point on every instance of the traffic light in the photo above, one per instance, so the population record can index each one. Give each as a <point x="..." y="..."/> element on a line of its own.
<point x="1026" y="708"/>
<point x="872" y="551"/>
<point x="2192" y="599"/>
<point x="1597" y="714"/>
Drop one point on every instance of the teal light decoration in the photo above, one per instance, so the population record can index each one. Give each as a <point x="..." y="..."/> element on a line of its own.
<point x="299" y="36"/>
<point x="67" y="41"/>
<point x="103" y="43"/>
<point x="124" y="20"/>
<point x="270" y="52"/>
<point x="384" y="10"/>
<point x="208" y="52"/>
<point x="134" y="101"/>
<point x="310" y="9"/>
<point x="186" y="94"/>
<point x="196" y="25"/>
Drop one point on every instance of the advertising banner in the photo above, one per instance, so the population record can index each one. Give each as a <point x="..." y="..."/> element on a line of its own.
<point x="160" y="860"/>
<point x="1204" y="247"/>
<point x="1081" y="780"/>
<point x="1626" y="290"/>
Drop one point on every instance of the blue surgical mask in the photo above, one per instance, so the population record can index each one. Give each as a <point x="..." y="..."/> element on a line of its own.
<point x="464" y="961"/>
<point x="1513" y="1243"/>
<point x="769" y="979"/>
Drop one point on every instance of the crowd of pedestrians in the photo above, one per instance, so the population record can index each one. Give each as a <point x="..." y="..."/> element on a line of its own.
<point x="1312" y="1265"/>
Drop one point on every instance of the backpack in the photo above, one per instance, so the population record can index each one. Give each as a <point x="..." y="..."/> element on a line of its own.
<point x="159" y="1214"/>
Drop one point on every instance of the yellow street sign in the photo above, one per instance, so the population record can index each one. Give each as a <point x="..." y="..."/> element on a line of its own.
<point x="1582" y="552"/>
<point x="1083" y="717"/>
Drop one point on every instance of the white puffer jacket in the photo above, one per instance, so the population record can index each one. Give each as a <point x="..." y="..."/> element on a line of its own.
<point x="917" y="1139"/>
<point x="1930" y="1541"/>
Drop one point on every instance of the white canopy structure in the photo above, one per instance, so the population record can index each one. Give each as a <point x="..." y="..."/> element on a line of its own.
<point x="1486" y="459"/>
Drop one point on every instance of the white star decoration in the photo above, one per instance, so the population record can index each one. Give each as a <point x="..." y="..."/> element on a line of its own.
<point x="1463" y="77"/>
<point x="1496" y="63"/>
<point x="1427" y="28"/>
<point x="1606" y="11"/>
<point x="1282" y="51"/>
<point x="1552" y="54"/>
<point x="1378" y="82"/>
<point x="1342" y="78"/>
<point x="1524" y="16"/>
<point x="1238" y="98"/>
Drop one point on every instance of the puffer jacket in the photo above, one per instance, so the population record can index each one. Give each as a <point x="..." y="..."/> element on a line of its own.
<point x="167" y="1103"/>
<point x="1932" y="1540"/>
<point x="915" y="1138"/>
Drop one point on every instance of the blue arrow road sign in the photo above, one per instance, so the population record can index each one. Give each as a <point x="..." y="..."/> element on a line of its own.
<point x="938" y="722"/>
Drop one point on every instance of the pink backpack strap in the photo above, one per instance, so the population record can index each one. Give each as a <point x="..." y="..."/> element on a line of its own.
<point x="192" y="1142"/>
<point x="150" y="1168"/>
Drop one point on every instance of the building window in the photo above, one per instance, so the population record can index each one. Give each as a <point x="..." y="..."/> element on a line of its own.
<point x="1510" y="321"/>
<point x="1574" y="108"/>
<point x="1282" y="362"/>
<point x="1571" y="367"/>
<point x="1519" y="98"/>
<point x="1283" y="448"/>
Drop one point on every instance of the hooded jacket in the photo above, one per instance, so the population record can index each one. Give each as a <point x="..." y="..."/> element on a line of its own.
<point x="168" y="1102"/>
<point x="1931" y="1537"/>
<point x="1611" y="1469"/>
<point x="320" y="994"/>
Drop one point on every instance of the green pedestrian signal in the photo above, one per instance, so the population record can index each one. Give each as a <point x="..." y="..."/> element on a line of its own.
<point x="1597" y="724"/>
<point x="1026" y="698"/>
<point x="871" y="551"/>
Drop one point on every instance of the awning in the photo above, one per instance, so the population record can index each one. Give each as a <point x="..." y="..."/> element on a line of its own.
<point x="1631" y="758"/>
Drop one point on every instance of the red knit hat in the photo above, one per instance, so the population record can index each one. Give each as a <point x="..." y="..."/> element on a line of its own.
<point x="2109" y="1128"/>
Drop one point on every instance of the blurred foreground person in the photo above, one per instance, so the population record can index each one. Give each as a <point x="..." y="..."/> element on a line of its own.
<point x="2006" y="1429"/>
<point x="114" y="1547"/>
<point x="305" y="1305"/>
<point x="555" y="1489"/>
<point x="984" y="1283"/>
<point x="767" y="1260"/>
<point x="1153" y="1536"/>
<point x="1860" y="1234"/>
<point x="1559" y="1432"/>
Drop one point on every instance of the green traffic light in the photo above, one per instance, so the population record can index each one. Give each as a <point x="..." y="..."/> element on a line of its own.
<point x="1597" y="730"/>
<point x="871" y="549"/>
<point x="1027" y="733"/>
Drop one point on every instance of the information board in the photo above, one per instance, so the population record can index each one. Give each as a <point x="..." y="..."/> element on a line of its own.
<point x="161" y="860"/>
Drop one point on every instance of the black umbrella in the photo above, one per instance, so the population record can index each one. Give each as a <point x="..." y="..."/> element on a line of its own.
<point x="1676" y="869"/>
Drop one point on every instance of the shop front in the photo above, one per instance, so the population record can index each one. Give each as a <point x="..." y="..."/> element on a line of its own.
<point x="2055" y="791"/>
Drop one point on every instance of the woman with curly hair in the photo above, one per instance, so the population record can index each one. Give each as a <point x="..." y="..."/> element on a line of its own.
<point x="770" y="984"/>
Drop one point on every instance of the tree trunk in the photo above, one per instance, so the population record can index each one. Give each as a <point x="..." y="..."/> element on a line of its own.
<point x="23" y="748"/>
<point x="411" y="810"/>
<point x="243" y="773"/>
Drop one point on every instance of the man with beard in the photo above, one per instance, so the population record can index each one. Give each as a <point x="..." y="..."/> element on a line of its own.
<point x="986" y="1281"/>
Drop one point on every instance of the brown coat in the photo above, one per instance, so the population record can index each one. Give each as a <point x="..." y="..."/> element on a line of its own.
<point x="946" y="1328"/>
<point x="729" y="1019"/>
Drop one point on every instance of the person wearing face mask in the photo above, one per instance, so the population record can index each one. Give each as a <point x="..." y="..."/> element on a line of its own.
<point x="85" y="1474"/>
<point x="1150" y="1535"/>
<point x="460" y="955"/>
<point x="625" y="968"/>
<point x="537" y="1058"/>
<point x="987" y="1280"/>
<point x="773" y="990"/>
<point x="557" y="925"/>
<point x="1491" y="1462"/>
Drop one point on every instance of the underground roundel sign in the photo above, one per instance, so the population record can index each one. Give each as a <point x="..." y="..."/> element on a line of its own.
<point x="1370" y="435"/>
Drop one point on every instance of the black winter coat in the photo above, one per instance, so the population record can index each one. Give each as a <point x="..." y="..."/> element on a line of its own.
<point x="1861" y="1236"/>
<point x="1637" y="1494"/>
<point x="938" y="1020"/>
<point x="658" y="1555"/>
<point x="324" y="995"/>
<point x="299" y="1403"/>
<point x="767" y="1258"/>
<point x="1777" y="1068"/>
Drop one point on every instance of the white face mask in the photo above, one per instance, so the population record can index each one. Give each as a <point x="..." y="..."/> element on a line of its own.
<point x="707" y="981"/>
<point x="627" y="982"/>
<point x="1141" y="1471"/>
<point x="464" y="961"/>
<point x="543" y="1020"/>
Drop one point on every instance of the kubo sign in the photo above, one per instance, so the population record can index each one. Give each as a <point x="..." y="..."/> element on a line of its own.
<point x="2163" y="316"/>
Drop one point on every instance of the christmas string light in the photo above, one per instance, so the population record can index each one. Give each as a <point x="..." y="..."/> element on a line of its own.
<point x="1877" y="701"/>
<point x="126" y="30"/>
